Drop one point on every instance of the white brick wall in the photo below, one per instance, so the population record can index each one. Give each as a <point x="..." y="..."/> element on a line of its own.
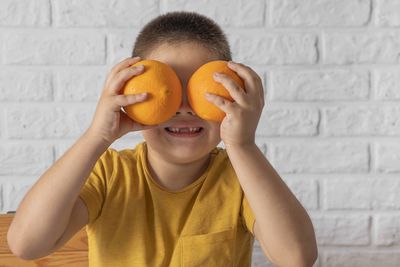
<point x="331" y="124"/>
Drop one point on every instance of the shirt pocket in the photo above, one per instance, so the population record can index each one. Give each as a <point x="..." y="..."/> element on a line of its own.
<point x="211" y="249"/>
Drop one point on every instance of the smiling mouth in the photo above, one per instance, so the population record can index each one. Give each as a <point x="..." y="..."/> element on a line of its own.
<point x="184" y="132"/>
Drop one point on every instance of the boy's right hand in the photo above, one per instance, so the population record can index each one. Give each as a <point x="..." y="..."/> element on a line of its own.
<point x="110" y="122"/>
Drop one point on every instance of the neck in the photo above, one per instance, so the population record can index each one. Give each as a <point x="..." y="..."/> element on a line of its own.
<point x="175" y="176"/>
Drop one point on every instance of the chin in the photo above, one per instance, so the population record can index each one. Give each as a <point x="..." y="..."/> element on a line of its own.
<point x="180" y="154"/>
<point x="184" y="154"/>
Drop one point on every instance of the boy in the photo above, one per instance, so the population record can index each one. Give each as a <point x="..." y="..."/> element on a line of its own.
<point x="174" y="200"/>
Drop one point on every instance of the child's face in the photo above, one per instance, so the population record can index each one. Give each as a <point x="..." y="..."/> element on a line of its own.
<point x="185" y="59"/>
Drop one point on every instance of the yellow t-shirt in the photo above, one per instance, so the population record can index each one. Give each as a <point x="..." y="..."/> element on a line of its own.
<point x="135" y="222"/>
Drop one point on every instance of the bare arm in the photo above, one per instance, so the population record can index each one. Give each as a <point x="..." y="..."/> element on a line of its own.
<point x="282" y="225"/>
<point x="43" y="220"/>
<point x="45" y="211"/>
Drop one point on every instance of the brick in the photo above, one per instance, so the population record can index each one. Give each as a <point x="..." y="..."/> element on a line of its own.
<point x="48" y="121"/>
<point x="263" y="74"/>
<point x="2" y="48"/>
<point x="103" y="13"/>
<point x="25" y="85"/>
<point x="388" y="230"/>
<point x="350" y="48"/>
<point x="261" y="144"/>
<point x="320" y="85"/>
<point x="2" y="124"/>
<point x="128" y="141"/>
<point x="260" y="48"/>
<point x="83" y="84"/>
<point x="61" y="147"/>
<point x="364" y="258"/>
<point x="387" y="12"/>
<point x="361" y="120"/>
<point x="363" y="194"/>
<point x="25" y="13"/>
<point x="22" y="158"/>
<point x="260" y="260"/>
<point x="338" y="230"/>
<point x="14" y="193"/>
<point x="388" y="157"/>
<point x="247" y="13"/>
<point x="120" y="46"/>
<point x="321" y="157"/>
<point x="306" y="191"/>
<point x="61" y="48"/>
<point x="285" y="121"/>
<point x="320" y="12"/>
<point x="387" y="85"/>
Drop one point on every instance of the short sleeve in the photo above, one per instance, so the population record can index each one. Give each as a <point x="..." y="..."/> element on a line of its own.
<point x="248" y="215"/>
<point x="94" y="191"/>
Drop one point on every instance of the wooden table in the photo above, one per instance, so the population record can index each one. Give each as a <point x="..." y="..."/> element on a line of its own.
<point x="74" y="253"/>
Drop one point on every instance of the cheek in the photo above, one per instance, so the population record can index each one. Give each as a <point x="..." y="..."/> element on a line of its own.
<point x="215" y="128"/>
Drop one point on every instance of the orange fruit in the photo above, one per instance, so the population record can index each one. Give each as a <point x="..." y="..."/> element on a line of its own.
<point x="202" y="81"/>
<point x="164" y="93"/>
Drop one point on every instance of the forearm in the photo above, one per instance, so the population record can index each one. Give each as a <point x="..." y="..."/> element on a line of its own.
<point x="284" y="225"/>
<point x="44" y="213"/>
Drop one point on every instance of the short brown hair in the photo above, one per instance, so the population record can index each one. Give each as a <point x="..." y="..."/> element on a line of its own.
<point x="180" y="26"/>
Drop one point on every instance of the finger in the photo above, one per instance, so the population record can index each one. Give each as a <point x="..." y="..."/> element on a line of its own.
<point x="120" y="66"/>
<point x="124" y="64"/>
<point x="126" y="100"/>
<point x="122" y="77"/>
<point x="251" y="79"/>
<point x="237" y="93"/>
<point x="224" y="104"/>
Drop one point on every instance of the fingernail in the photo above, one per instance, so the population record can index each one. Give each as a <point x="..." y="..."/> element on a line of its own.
<point x="217" y="74"/>
<point x="139" y="67"/>
<point x="231" y="63"/>
<point x="136" y="57"/>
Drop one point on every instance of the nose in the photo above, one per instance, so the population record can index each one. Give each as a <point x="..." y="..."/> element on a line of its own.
<point x="185" y="108"/>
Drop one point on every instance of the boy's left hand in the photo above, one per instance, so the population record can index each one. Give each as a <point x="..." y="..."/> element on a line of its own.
<point x="242" y="115"/>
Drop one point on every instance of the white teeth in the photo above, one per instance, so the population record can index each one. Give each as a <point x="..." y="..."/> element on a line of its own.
<point x="184" y="130"/>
